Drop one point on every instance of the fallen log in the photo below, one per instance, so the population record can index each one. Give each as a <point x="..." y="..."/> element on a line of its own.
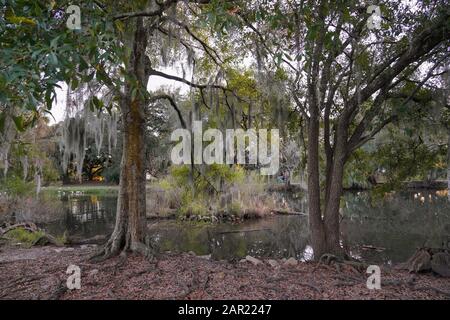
<point x="29" y="226"/>
<point x="44" y="239"/>
<point x="289" y="213"/>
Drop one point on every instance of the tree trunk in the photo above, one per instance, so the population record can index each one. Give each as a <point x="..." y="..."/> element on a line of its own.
<point x="448" y="165"/>
<point x="318" y="239"/>
<point x="129" y="230"/>
<point x="325" y="231"/>
<point x="334" y="193"/>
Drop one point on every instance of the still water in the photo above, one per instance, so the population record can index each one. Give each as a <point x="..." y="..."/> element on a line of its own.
<point x="383" y="231"/>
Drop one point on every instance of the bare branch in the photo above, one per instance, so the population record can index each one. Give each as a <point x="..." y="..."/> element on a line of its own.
<point x="173" y="104"/>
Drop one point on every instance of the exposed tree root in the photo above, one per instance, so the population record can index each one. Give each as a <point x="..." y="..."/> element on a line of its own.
<point x="328" y="258"/>
<point x="113" y="248"/>
<point x="47" y="238"/>
<point x="339" y="262"/>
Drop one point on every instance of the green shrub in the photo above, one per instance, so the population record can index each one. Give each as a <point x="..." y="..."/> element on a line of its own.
<point x="16" y="186"/>
<point x="24" y="236"/>
<point x="194" y="209"/>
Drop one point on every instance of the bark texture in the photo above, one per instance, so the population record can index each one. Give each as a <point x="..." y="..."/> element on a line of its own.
<point x="129" y="230"/>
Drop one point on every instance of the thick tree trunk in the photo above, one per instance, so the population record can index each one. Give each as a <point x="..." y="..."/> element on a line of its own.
<point x="325" y="231"/>
<point x="334" y="193"/>
<point x="129" y="230"/>
<point x="448" y="164"/>
<point x="318" y="239"/>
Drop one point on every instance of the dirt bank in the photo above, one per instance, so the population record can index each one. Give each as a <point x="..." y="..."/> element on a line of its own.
<point x="40" y="273"/>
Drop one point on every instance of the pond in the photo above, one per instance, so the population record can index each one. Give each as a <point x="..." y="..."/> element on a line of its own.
<point x="386" y="231"/>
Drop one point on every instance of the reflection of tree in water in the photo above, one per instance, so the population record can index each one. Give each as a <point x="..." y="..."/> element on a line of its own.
<point x="180" y="237"/>
<point x="277" y="237"/>
<point x="89" y="215"/>
<point x="400" y="223"/>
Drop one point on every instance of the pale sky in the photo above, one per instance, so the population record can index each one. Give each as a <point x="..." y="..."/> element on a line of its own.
<point x="155" y="83"/>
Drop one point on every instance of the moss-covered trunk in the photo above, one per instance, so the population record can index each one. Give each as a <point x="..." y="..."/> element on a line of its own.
<point x="129" y="230"/>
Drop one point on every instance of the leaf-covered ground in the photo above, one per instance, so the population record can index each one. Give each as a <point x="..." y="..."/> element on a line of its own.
<point x="40" y="273"/>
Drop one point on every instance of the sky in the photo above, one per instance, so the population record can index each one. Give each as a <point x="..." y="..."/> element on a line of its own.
<point x="154" y="84"/>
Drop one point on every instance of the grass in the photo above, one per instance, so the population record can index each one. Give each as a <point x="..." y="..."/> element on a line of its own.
<point x="29" y="238"/>
<point x="24" y="236"/>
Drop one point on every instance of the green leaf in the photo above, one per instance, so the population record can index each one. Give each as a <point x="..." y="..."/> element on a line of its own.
<point x="53" y="59"/>
<point x="74" y="83"/>
<point x="97" y="103"/>
<point x="20" y="123"/>
<point x="103" y="77"/>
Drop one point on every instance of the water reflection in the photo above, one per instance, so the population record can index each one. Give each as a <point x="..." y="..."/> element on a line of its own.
<point x="86" y="215"/>
<point x="277" y="236"/>
<point x="384" y="231"/>
<point x="397" y="225"/>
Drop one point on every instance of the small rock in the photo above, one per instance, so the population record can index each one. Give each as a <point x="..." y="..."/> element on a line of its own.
<point x="191" y="253"/>
<point x="243" y="261"/>
<point x="69" y="249"/>
<point x="252" y="260"/>
<point x="206" y="257"/>
<point x="291" y="262"/>
<point x="273" y="263"/>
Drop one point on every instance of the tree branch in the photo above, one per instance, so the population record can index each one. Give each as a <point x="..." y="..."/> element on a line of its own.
<point x="173" y="104"/>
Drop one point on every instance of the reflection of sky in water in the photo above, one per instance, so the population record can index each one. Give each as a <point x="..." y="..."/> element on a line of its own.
<point x="394" y="226"/>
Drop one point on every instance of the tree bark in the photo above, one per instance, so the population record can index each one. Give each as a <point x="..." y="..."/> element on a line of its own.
<point x="318" y="239"/>
<point x="334" y="191"/>
<point x="325" y="231"/>
<point x="448" y="164"/>
<point x="129" y="230"/>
